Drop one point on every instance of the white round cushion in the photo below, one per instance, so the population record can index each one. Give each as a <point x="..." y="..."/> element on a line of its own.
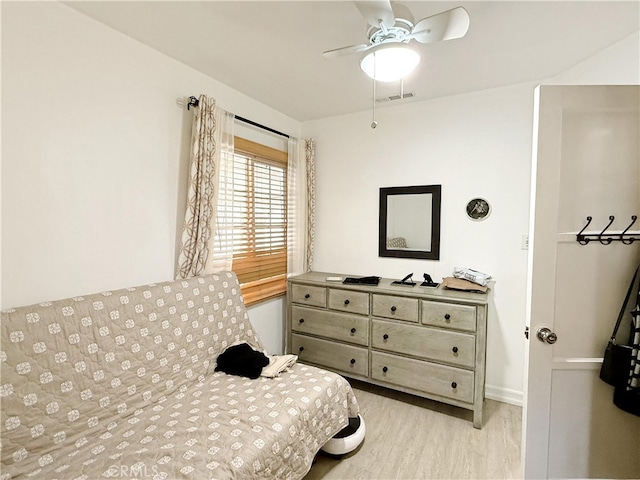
<point x="341" y="445"/>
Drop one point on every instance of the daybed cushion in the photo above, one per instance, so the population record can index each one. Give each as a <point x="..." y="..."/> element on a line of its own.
<point x="121" y="385"/>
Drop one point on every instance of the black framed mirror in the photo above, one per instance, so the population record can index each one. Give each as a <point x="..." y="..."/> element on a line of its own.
<point x="409" y="224"/>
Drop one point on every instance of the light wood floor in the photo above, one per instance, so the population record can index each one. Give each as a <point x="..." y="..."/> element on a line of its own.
<point x="408" y="437"/>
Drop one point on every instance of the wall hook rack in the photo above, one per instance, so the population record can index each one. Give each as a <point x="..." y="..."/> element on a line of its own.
<point x="624" y="237"/>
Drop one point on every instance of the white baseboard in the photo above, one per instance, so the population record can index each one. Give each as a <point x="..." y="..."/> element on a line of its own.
<point x="505" y="395"/>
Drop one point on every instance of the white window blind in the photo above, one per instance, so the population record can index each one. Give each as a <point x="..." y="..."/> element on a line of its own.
<point x="257" y="216"/>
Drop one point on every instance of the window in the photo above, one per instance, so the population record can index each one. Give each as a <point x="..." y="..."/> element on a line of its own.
<point x="257" y="218"/>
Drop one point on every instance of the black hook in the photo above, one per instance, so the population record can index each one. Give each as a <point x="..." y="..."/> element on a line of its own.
<point x="608" y="240"/>
<point x="630" y="240"/>
<point x="193" y="102"/>
<point x="582" y="240"/>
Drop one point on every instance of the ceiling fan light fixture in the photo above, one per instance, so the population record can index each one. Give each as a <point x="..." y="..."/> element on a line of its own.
<point x="389" y="62"/>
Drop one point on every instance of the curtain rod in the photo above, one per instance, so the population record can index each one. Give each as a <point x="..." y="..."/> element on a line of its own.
<point x="193" y="102"/>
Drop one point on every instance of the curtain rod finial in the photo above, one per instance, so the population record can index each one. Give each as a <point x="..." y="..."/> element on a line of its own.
<point x="193" y="102"/>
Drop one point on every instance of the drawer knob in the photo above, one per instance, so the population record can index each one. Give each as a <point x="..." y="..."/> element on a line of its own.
<point x="385" y="369"/>
<point x="346" y="302"/>
<point x="447" y="316"/>
<point x="301" y="349"/>
<point x="454" y="385"/>
<point x="353" y="360"/>
<point x="301" y="320"/>
<point x="393" y="308"/>
<point x="385" y="337"/>
<point x="307" y="295"/>
<point x="353" y="330"/>
<point x="454" y="349"/>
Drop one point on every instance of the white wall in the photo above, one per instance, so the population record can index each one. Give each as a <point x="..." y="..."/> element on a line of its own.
<point x="95" y="157"/>
<point x="617" y="65"/>
<point x="473" y="145"/>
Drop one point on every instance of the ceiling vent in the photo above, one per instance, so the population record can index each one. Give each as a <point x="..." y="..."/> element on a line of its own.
<point x="394" y="97"/>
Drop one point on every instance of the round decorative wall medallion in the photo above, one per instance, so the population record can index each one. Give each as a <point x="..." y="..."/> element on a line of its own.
<point x="478" y="209"/>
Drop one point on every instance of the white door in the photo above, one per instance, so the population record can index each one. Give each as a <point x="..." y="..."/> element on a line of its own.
<point x="586" y="163"/>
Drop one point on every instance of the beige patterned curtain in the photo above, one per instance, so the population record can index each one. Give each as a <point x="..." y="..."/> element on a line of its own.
<point x="301" y="206"/>
<point x="310" y="159"/>
<point x="209" y="131"/>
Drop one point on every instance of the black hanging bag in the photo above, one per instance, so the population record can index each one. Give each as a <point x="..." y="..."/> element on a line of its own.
<point x="615" y="364"/>
<point x="627" y="399"/>
<point x="617" y="358"/>
<point x="626" y="396"/>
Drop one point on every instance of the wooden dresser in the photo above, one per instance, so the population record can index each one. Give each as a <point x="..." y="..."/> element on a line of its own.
<point x="425" y="341"/>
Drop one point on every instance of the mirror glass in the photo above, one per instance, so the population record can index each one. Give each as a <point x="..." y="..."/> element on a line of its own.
<point x="410" y="222"/>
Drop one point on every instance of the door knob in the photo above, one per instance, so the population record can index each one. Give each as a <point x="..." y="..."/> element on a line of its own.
<point x="546" y="335"/>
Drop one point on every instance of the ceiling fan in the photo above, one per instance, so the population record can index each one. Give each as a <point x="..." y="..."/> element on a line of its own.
<point x="388" y="55"/>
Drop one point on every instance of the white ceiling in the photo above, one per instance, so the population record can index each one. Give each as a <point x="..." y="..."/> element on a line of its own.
<point x="272" y="51"/>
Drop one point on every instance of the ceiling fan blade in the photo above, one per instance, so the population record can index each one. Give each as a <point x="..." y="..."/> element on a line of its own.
<point x="377" y="11"/>
<point x="447" y="25"/>
<point x="339" y="52"/>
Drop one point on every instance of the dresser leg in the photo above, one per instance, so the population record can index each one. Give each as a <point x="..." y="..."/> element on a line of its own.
<point x="477" y="416"/>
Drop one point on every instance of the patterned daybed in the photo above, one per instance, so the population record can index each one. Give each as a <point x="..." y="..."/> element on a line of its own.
<point x="121" y="384"/>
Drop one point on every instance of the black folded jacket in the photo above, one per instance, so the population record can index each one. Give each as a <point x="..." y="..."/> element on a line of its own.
<point x="242" y="360"/>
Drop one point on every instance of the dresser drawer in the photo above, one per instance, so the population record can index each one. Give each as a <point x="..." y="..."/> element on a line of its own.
<point x="308" y="295"/>
<point x="439" y="345"/>
<point x="341" y="326"/>
<point x="348" y="301"/>
<point x="440" y="314"/>
<point x="400" y="308"/>
<point x="441" y="380"/>
<point x="345" y="358"/>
